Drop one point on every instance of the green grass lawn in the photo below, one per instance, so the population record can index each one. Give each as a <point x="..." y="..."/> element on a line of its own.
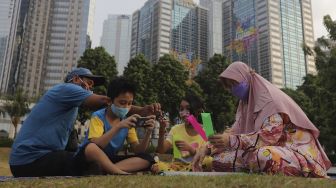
<point x="240" y="181"/>
<point x="138" y="181"/>
<point x="4" y="168"/>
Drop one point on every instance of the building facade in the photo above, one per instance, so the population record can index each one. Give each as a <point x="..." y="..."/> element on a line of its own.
<point x="151" y="26"/>
<point x="215" y="18"/>
<point x="177" y="27"/>
<point x="189" y="31"/>
<point x="67" y="41"/>
<point x="9" y="14"/>
<point x="116" y="39"/>
<point x="54" y="40"/>
<point x="18" y="42"/>
<point x="240" y="32"/>
<point x="268" y="35"/>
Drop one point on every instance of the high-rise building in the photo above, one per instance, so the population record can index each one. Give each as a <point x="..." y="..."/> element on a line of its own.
<point x="54" y="40"/>
<point x="214" y="8"/>
<point x="202" y="34"/>
<point x="135" y="33"/>
<point x="151" y="26"/>
<point x="87" y="26"/>
<point x="91" y="16"/>
<point x="186" y="35"/>
<point x="269" y="35"/>
<point x="18" y="42"/>
<point x="116" y="39"/>
<point x="240" y="33"/>
<point x="9" y="11"/>
<point x="177" y="27"/>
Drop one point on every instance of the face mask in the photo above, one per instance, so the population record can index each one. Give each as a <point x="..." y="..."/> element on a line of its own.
<point x="84" y="84"/>
<point x="241" y="90"/>
<point x="120" y="112"/>
<point x="184" y="113"/>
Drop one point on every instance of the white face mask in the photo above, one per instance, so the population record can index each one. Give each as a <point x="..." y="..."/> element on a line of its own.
<point x="183" y="114"/>
<point x="86" y="86"/>
<point x="83" y="84"/>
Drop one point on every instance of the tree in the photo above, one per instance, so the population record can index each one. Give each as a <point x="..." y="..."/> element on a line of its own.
<point x="100" y="63"/>
<point x="16" y="107"/>
<point x="169" y="79"/>
<point x="324" y="84"/>
<point x="302" y="100"/>
<point x="218" y="101"/>
<point x="320" y="89"/>
<point x="195" y="89"/>
<point x="139" y="70"/>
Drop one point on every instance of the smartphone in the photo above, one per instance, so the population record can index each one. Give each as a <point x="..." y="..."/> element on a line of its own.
<point x="141" y="121"/>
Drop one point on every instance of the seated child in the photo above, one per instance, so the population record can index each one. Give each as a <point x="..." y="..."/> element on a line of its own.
<point x="182" y="138"/>
<point x="109" y="128"/>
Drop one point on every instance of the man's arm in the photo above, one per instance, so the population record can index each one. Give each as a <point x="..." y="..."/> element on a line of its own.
<point x="95" y="101"/>
<point x="146" y="110"/>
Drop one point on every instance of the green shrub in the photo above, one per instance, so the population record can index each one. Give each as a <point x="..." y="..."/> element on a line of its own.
<point x="332" y="158"/>
<point x="6" y="142"/>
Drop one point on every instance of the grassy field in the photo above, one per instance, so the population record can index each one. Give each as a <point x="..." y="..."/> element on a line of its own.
<point x="4" y="168"/>
<point x="235" y="181"/>
<point x="138" y="181"/>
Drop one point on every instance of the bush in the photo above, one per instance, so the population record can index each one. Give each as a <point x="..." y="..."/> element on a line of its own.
<point x="332" y="158"/>
<point x="6" y="142"/>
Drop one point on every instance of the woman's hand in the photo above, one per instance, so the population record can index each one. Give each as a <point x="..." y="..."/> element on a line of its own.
<point x="228" y="130"/>
<point x="129" y="122"/>
<point x="220" y="141"/>
<point x="198" y="158"/>
<point x="184" y="146"/>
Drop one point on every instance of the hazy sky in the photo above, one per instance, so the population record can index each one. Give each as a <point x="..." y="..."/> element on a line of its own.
<point x="105" y="7"/>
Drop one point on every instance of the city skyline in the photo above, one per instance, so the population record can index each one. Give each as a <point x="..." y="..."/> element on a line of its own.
<point x="106" y="7"/>
<point x="184" y="20"/>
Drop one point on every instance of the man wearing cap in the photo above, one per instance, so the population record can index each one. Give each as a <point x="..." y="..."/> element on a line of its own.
<point x="38" y="149"/>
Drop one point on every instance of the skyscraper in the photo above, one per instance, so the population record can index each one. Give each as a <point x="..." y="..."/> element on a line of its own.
<point x="18" y="42"/>
<point x="151" y="29"/>
<point x="177" y="27"/>
<point x="240" y="32"/>
<point x="54" y="40"/>
<point x="214" y="8"/>
<point x="116" y="39"/>
<point x="9" y="10"/>
<point x="135" y="33"/>
<point x="188" y="20"/>
<point x="269" y="35"/>
<point x="67" y="41"/>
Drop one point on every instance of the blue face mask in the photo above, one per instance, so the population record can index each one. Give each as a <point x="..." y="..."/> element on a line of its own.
<point x="241" y="90"/>
<point x="120" y="112"/>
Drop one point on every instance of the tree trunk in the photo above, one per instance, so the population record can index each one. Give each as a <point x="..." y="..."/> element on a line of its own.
<point x="15" y="131"/>
<point x="15" y="121"/>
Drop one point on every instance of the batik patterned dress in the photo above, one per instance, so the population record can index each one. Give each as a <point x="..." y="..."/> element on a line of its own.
<point x="279" y="147"/>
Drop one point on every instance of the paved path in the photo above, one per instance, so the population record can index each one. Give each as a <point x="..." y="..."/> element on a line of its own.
<point x="332" y="170"/>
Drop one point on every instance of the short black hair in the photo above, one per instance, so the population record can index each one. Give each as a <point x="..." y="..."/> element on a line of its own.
<point x="120" y="85"/>
<point x="195" y="102"/>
